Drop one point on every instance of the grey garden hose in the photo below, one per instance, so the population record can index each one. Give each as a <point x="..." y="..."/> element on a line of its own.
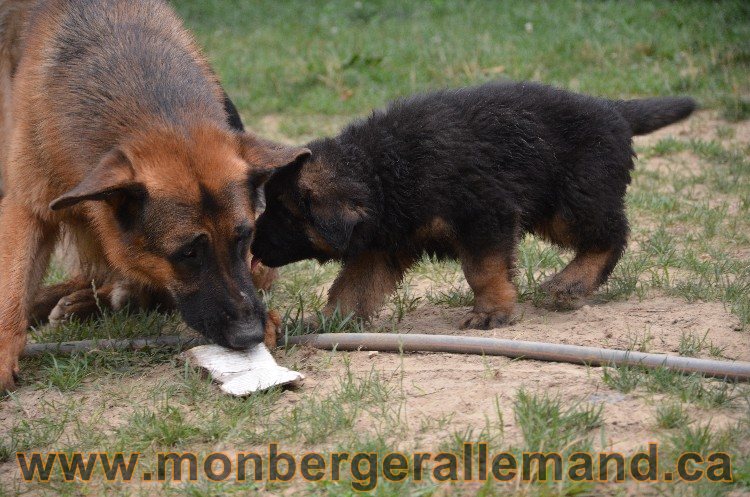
<point x="387" y="342"/>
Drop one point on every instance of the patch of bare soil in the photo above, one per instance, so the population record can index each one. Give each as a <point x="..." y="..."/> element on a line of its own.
<point x="655" y="324"/>
<point x="464" y="388"/>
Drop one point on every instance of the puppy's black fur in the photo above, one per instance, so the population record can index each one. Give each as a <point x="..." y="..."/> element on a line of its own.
<point x="464" y="173"/>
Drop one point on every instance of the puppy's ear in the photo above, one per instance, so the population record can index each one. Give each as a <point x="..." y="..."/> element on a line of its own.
<point x="111" y="180"/>
<point x="336" y="224"/>
<point x="265" y="156"/>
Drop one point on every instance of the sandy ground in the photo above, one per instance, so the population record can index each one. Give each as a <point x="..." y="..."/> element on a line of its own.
<point x="465" y="387"/>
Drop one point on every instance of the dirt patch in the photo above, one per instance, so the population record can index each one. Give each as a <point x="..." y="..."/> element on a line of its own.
<point x="469" y="389"/>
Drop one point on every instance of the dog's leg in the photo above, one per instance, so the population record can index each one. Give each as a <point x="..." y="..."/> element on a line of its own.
<point x="599" y="239"/>
<point x="585" y="273"/>
<point x="85" y="303"/>
<point x="25" y="249"/>
<point x="490" y="277"/>
<point x="48" y="297"/>
<point x="364" y="283"/>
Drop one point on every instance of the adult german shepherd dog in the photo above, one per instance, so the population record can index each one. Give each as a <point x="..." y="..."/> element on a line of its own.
<point x="117" y="136"/>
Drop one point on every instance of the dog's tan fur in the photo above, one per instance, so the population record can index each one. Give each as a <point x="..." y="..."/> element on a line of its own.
<point x="83" y="146"/>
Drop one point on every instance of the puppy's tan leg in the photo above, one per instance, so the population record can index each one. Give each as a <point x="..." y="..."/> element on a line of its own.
<point x="26" y="243"/>
<point x="580" y="278"/>
<point x="364" y="283"/>
<point x="490" y="277"/>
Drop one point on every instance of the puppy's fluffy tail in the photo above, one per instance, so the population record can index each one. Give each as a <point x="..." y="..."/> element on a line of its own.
<point x="649" y="114"/>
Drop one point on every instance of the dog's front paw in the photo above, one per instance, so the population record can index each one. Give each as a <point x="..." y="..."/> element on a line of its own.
<point x="8" y="378"/>
<point x="476" y="320"/>
<point x="7" y="381"/>
<point x="9" y="369"/>
<point x="80" y="304"/>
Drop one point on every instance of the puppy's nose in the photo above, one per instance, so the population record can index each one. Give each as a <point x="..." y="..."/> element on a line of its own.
<point x="246" y="334"/>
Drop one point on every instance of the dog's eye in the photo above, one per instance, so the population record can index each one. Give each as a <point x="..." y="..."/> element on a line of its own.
<point x="190" y="251"/>
<point x="243" y="233"/>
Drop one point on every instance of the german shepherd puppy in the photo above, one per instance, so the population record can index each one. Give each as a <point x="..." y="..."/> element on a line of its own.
<point x="120" y="138"/>
<point x="464" y="174"/>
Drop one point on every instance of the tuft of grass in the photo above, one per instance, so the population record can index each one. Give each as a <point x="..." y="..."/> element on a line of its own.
<point x="695" y="438"/>
<point x="453" y="297"/>
<point x="536" y="262"/>
<point x="41" y="431"/>
<point x="6" y="451"/>
<point x="671" y="415"/>
<point x="67" y="373"/>
<point x="404" y="302"/>
<point x="317" y="418"/>
<point x="111" y="325"/>
<point x="624" y="379"/>
<point x="166" y="426"/>
<point x="693" y="388"/>
<point x="625" y="280"/>
<point x="70" y="373"/>
<point x="543" y="420"/>
<point x="691" y="344"/>
<point x="297" y="322"/>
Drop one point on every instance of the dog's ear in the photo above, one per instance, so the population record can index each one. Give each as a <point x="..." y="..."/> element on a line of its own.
<point x="333" y="184"/>
<point x="336" y="224"/>
<point x="265" y="156"/>
<point x="111" y="179"/>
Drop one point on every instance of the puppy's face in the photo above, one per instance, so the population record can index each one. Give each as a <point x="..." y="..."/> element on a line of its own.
<point x="178" y="213"/>
<point x="313" y="208"/>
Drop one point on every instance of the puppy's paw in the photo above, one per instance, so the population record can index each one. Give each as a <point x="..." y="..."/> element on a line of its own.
<point x="562" y="296"/>
<point x="476" y="320"/>
<point x="80" y="304"/>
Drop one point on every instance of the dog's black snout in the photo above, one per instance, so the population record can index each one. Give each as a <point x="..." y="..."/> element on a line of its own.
<point x="246" y="334"/>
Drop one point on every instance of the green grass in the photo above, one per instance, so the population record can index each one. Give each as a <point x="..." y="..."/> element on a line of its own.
<point x="694" y="388"/>
<point x="545" y="420"/>
<point x="343" y="58"/>
<point x="671" y="415"/>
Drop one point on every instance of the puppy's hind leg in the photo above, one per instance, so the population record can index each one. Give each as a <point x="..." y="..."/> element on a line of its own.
<point x="597" y="255"/>
<point x="364" y="283"/>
